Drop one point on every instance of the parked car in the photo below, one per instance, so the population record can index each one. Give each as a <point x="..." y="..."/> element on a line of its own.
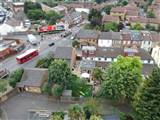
<point x="51" y="44"/>
<point x="65" y="34"/>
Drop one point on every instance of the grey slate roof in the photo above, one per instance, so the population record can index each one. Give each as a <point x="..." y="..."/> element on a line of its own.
<point x="33" y="77"/>
<point x="87" y="64"/>
<point x="105" y="36"/>
<point x="87" y="34"/>
<point x="110" y="36"/>
<point x="63" y="53"/>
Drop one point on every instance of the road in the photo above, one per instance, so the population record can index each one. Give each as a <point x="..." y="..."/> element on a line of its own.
<point x="11" y="64"/>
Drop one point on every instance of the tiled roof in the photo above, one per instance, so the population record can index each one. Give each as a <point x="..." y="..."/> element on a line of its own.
<point x="87" y="34"/>
<point x="110" y="18"/>
<point x="33" y="77"/>
<point x="63" y="53"/>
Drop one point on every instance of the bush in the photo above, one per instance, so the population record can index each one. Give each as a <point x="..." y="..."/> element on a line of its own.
<point x="15" y="77"/>
<point x="58" y="116"/>
<point x="57" y="90"/>
<point x="3" y="85"/>
<point x="44" y="62"/>
<point x="46" y="88"/>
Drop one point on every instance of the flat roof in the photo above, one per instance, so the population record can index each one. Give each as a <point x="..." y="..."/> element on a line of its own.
<point x="26" y="53"/>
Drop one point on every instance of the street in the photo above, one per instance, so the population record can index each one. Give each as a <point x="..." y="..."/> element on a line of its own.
<point x="11" y="63"/>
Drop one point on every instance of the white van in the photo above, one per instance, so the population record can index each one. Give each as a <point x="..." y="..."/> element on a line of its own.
<point x="32" y="39"/>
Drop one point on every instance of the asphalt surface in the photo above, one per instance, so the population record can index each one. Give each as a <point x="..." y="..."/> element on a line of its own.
<point x="11" y="63"/>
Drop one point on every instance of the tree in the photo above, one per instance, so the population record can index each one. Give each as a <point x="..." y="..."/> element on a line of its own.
<point x="15" y="77"/>
<point x="97" y="74"/>
<point x="28" y="5"/>
<point x="107" y="9"/>
<point x="57" y="116"/>
<point x="146" y="103"/>
<point x="52" y="17"/>
<point x="57" y="90"/>
<point x="94" y="117"/>
<point x="120" y="26"/>
<point x="79" y="87"/>
<point x="46" y="88"/>
<point x="91" y="107"/>
<point x="95" y="17"/>
<point x="59" y="73"/>
<point x="124" y="3"/>
<point x="75" y="44"/>
<point x="35" y="14"/>
<point x="44" y="62"/>
<point x="137" y="26"/>
<point x="76" y="112"/>
<point x="111" y="26"/>
<point x="122" y="78"/>
<point x="150" y="27"/>
<point x="151" y="14"/>
<point x="3" y="85"/>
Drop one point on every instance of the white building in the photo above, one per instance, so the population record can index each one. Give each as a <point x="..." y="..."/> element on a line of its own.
<point x="105" y="39"/>
<point x="156" y="54"/>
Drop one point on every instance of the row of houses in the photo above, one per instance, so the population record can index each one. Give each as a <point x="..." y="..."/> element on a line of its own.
<point x="91" y="57"/>
<point x="142" y="39"/>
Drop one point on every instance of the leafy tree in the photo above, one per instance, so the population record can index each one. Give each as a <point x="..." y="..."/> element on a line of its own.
<point x="151" y="14"/>
<point x="59" y="73"/>
<point x="97" y="74"/>
<point x="15" y="77"/>
<point x="46" y="88"/>
<point x="35" y="14"/>
<point x="44" y="62"/>
<point x="111" y="26"/>
<point x="137" y="26"/>
<point x="79" y="87"/>
<point x="3" y="85"/>
<point x="120" y="26"/>
<point x="95" y="17"/>
<point x="95" y="117"/>
<point x="57" y="90"/>
<point x="28" y="5"/>
<point x="124" y="3"/>
<point x="146" y="103"/>
<point x="107" y="9"/>
<point x="150" y="27"/>
<point x="91" y="107"/>
<point x="75" y="43"/>
<point x="52" y="17"/>
<point x="58" y="116"/>
<point x="76" y="112"/>
<point x="122" y="78"/>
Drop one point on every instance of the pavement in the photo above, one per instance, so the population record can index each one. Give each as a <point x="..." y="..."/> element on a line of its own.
<point x="11" y="63"/>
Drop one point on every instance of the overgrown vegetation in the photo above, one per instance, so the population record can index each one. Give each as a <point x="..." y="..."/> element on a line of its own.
<point x="3" y="85"/>
<point x="15" y="77"/>
<point x="34" y="12"/>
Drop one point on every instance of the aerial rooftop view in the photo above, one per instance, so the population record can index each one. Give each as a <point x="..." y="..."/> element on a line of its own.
<point x="79" y="59"/>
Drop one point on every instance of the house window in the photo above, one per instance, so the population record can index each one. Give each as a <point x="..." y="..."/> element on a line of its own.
<point x="109" y="59"/>
<point x="145" y="61"/>
<point x="151" y="62"/>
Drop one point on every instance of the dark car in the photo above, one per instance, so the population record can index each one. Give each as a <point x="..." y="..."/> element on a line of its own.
<point x="51" y="44"/>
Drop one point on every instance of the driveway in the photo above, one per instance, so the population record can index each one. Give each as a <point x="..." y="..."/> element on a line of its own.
<point x="16" y="108"/>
